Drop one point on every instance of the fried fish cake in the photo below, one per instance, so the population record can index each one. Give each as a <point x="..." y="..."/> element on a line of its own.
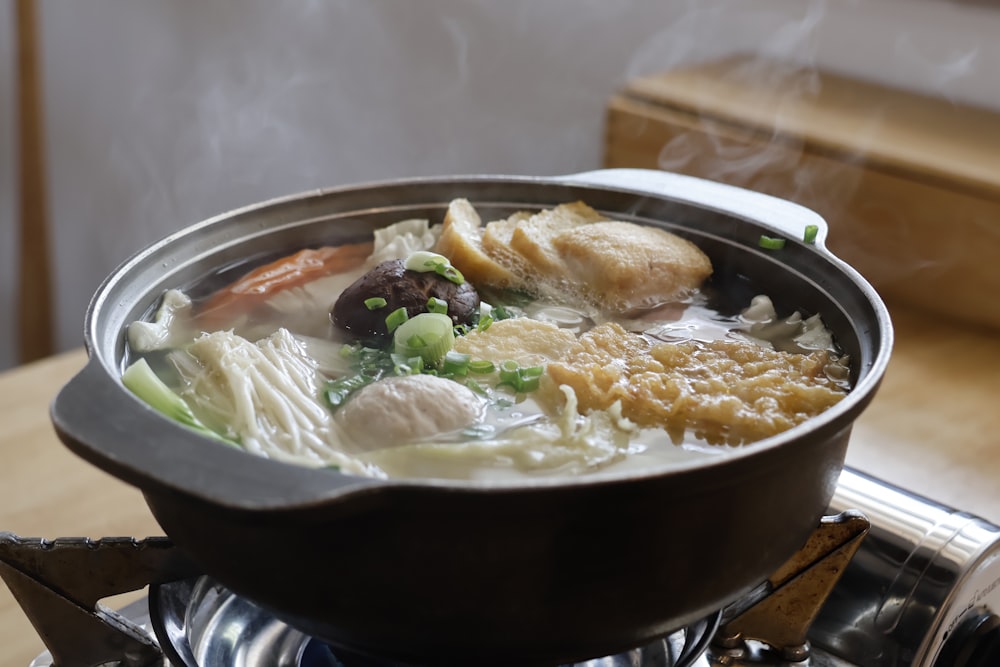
<point x="727" y="391"/>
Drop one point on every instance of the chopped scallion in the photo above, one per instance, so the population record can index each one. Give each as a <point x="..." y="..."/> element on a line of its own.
<point x="425" y="261"/>
<point x="375" y="303"/>
<point x="476" y="387"/>
<point x="436" y="305"/>
<point x="521" y="379"/>
<point x="484" y="322"/>
<point x="481" y="366"/>
<point x="336" y="392"/>
<point x="396" y="318"/>
<point x="428" y="335"/>
<point x="771" y="243"/>
<point x="456" y="363"/>
<point x="810" y="234"/>
<point x="404" y="365"/>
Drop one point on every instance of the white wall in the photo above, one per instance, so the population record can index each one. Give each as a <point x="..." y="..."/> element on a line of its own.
<point x="162" y="113"/>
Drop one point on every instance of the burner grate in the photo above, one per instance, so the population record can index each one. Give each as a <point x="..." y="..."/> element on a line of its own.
<point x="200" y="623"/>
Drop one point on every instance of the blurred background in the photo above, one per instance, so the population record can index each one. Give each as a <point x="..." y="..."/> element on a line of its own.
<point x="159" y="114"/>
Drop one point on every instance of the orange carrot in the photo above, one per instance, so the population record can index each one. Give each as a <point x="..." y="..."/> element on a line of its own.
<point x="265" y="281"/>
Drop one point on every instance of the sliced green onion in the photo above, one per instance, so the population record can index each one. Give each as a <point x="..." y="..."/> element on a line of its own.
<point x="500" y="313"/>
<point x="428" y="335"/>
<point x="509" y="366"/>
<point x="450" y="272"/>
<point x="336" y="392"/>
<point x="436" y="305"/>
<point x="404" y="365"/>
<point x="140" y="379"/>
<point x="396" y="318"/>
<point x="484" y="322"/>
<point x="527" y="384"/>
<point x="481" y="366"/>
<point x="771" y="243"/>
<point x="425" y="262"/>
<point x="375" y="303"/>
<point x="456" y="364"/>
<point x="476" y="387"/>
<point x="810" y="234"/>
<point x="521" y="379"/>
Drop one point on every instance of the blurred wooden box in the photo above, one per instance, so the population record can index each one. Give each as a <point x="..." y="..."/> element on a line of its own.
<point x="909" y="184"/>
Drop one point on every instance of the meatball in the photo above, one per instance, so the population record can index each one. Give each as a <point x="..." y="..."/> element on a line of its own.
<point x="407" y="408"/>
<point x="401" y="288"/>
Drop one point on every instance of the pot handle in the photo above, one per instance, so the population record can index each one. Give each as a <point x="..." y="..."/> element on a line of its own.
<point x="788" y="219"/>
<point x="102" y="422"/>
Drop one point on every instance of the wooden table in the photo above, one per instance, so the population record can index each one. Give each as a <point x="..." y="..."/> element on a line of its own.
<point x="934" y="427"/>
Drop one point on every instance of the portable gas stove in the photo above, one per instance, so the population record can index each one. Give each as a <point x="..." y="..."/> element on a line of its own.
<point x="890" y="578"/>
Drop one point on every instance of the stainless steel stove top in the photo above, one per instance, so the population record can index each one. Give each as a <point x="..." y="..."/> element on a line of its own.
<point x="921" y="589"/>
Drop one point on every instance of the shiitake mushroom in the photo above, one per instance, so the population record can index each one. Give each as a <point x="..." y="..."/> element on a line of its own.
<point x="399" y="287"/>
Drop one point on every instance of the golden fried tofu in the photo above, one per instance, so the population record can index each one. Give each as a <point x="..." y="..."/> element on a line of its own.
<point x="532" y="238"/>
<point x="622" y="266"/>
<point x="728" y="391"/>
<point x="572" y="253"/>
<point x="526" y="341"/>
<point x="461" y="242"/>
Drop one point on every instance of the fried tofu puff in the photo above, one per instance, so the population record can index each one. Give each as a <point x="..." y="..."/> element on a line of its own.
<point x="574" y="255"/>
<point x="728" y="392"/>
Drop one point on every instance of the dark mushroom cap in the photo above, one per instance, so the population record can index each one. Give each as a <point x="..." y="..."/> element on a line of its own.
<point x="401" y="288"/>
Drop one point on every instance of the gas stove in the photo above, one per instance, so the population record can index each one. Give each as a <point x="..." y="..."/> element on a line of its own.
<point x="888" y="578"/>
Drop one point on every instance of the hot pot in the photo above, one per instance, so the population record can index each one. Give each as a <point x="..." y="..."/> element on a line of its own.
<point x="438" y="571"/>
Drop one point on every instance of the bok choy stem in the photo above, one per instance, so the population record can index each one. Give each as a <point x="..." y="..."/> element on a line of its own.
<point x="140" y="379"/>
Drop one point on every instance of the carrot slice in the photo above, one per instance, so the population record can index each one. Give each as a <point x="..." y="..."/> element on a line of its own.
<point x="262" y="283"/>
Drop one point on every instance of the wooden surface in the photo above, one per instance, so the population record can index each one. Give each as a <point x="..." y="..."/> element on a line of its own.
<point x="910" y="185"/>
<point x="934" y="427"/>
<point x="34" y="311"/>
<point x="839" y="115"/>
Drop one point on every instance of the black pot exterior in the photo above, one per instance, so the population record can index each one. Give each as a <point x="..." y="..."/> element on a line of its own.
<point x="446" y="576"/>
<point x="439" y="572"/>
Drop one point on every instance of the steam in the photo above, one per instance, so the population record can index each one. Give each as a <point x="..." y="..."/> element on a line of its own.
<point x="761" y="147"/>
<point x="162" y="114"/>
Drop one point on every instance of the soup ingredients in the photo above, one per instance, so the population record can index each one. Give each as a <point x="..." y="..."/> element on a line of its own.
<point x="621" y="267"/>
<point x="428" y="335"/>
<point x="600" y="347"/>
<point x="140" y="379"/>
<point x="569" y="443"/>
<point x="572" y="254"/>
<point x="525" y="242"/>
<point x="292" y="271"/>
<point x="401" y="239"/>
<point x="360" y="313"/>
<point x="726" y="391"/>
<point x="409" y="408"/>
<point x="461" y="241"/>
<point x="171" y="327"/>
<point x="771" y="242"/>
<point x="525" y="341"/>
<point x="424" y="261"/>
<point x="265" y="395"/>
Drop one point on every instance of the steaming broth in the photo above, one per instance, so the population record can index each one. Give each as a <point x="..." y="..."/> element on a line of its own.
<point x="499" y="431"/>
